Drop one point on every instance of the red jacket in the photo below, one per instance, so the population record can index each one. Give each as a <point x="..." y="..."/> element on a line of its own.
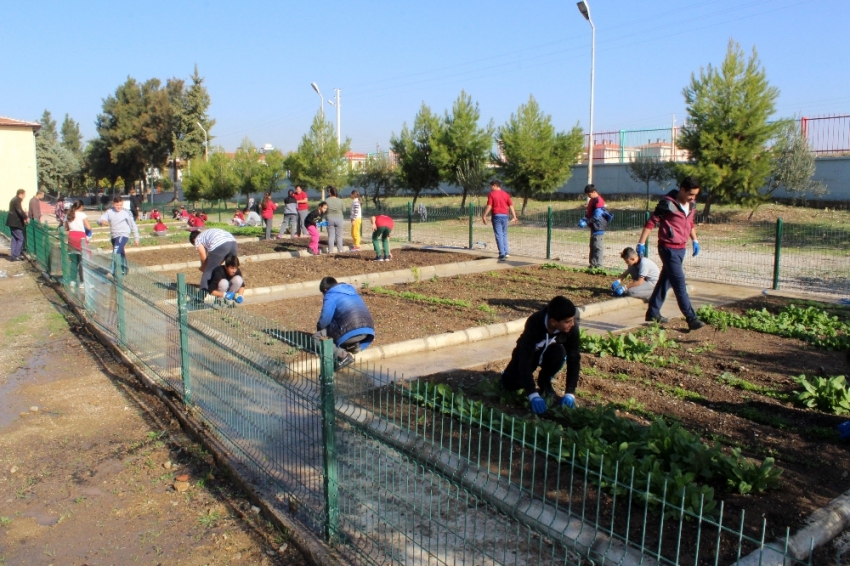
<point x="674" y="225"/>
<point x="268" y="211"/>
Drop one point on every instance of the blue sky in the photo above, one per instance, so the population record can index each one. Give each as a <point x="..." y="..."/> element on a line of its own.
<point x="259" y="58"/>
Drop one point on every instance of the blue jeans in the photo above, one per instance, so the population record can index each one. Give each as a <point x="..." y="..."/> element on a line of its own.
<point x="500" y="229"/>
<point x="672" y="275"/>
<point x="17" y="242"/>
<point x="118" y="250"/>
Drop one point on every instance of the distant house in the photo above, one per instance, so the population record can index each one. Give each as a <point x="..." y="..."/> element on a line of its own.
<point x="662" y="150"/>
<point x="356" y="160"/>
<point x="18" y="166"/>
<point x="610" y="152"/>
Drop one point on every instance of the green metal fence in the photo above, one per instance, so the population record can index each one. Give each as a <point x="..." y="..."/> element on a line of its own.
<point x="387" y="471"/>
<point x="805" y="257"/>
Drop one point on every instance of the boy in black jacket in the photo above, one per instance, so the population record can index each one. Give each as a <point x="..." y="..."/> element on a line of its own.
<point x="550" y="338"/>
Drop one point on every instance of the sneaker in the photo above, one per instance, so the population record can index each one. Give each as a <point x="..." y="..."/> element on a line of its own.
<point x="502" y="258"/>
<point x="354" y="249"/>
<point x="659" y="319"/>
<point x="378" y="259"/>
<point x="507" y="255"/>
<point x="386" y="259"/>
<point x="695" y="324"/>
<point x="344" y="362"/>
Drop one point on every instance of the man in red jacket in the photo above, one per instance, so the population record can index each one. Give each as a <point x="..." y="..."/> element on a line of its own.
<point x="674" y="217"/>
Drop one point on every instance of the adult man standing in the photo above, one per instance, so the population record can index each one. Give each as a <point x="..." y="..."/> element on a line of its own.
<point x="213" y="246"/>
<point x="135" y="203"/>
<point x="499" y="202"/>
<point x="346" y="319"/>
<point x="16" y="221"/>
<point x="550" y="338"/>
<point x="675" y="217"/>
<point x="34" y="208"/>
<point x="121" y="225"/>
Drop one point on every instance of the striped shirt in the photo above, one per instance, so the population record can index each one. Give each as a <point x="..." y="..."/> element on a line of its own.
<point x="213" y="238"/>
<point x="355" y="209"/>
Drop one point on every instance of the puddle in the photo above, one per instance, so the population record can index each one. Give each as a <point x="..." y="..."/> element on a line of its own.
<point x="39" y="369"/>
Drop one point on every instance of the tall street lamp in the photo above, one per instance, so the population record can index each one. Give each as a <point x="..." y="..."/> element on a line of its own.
<point x="316" y="88"/>
<point x="336" y="104"/>
<point x="584" y="8"/>
<point x="206" y="143"/>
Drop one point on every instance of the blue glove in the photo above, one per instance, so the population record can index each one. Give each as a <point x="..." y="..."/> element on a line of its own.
<point x="568" y="400"/>
<point x="641" y="250"/>
<point x="322" y="224"/>
<point x="844" y="430"/>
<point x="538" y="404"/>
<point x="88" y="233"/>
<point x="696" y="248"/>
<point x="239" y="299"/>
<point x="620" y="291"/>
<point x="229" y="296"/>
<point x="582" y="223"/>
<point x="616" y="284"/>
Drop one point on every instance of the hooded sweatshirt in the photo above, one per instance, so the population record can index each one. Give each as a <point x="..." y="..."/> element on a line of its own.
<point x="345" y="315"/>
<point x="674" y="222"/>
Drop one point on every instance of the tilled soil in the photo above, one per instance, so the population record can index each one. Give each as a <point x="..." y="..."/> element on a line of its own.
<point x="299" y="269"/>
<point x="92" y="464"/>
<point x="495" y="296"/>
<point x="177" y="255"/>
<point x="693" y="388"/>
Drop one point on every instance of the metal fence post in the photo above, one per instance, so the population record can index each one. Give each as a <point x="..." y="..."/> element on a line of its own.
<point x="409" y="221"/>
<point x="119" y="299"/>
<point x="777" y="253"/>
<point x="63" y="253"/>
<point x="646" y="247"/>
<point x="549" y="234"/>
<point x="219" y="210"/>
<point x="471" y="212"/>
<point x="44" y="256"/>
<point x="329" y="459"/>
<point x="183" y="331"/>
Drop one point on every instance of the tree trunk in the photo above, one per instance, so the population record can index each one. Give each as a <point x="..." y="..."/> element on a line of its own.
<point x="647" y="195"/>
<point x="706" y="210"/>
<point x="415" y="196"/>
<point x="524" y="204"/>
<point x="463" y="200"/>
<point x="174" y="176"/>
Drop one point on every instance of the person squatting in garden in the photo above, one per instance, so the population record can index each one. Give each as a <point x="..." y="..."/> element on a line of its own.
<point x="382" y="227"/>
<point x="336" y="219"/>
<point x="121" y="225"/>
<point x="16" y="221"/>
<point x="311" y="223"/>
<point x="227" y="282"/>
<point x="345" y="319"/>
<point x="160" y="229"/>
<point x="596" y="218"/>
<point x="213" y="246"/>
<point x="290" y="216"/>
<point x="674" y="215"/>
<point x="643" y="273"/>
<point x="356" y="220"/>
<point x="499" y="202"/>
<point x="550" y="338"/>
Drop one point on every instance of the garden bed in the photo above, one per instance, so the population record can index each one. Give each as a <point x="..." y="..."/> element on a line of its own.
<point x="296" y="270"/>
<point x="734" y="387"/>
<point x="162" y="257"/>
<point x="449" y="304"/>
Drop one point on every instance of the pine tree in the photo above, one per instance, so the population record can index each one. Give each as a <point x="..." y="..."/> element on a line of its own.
<point x="318" y="161"/>
<point x="72" y="139"/>
<point x="536" y="159"/>
<point x="461" y="141"/>
<point x="416" y="170"/>
<point x="190" y="109"/>
<point x="728" y="128"/>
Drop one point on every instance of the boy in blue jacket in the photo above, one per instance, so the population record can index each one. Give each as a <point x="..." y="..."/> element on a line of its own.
<point x="345" y="319"/>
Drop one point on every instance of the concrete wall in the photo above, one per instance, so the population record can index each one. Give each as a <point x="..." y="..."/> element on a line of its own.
<point x="17" y="164"/>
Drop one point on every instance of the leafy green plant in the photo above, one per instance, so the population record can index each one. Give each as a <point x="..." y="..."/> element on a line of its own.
<point x="667" y="454"/>
<point x="638" y="347"/>
<point x="410" y="296"/>
<point x="744" y="385"/>
<point x="827" y="394"/>
<point x="484" y="307"/>
<point x="810" y="324"/>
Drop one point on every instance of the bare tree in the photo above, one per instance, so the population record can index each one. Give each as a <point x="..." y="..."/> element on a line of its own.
<point x="649" y="170"/>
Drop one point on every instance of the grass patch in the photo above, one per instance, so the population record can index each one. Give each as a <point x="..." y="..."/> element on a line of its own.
<point x="410" y="296"/>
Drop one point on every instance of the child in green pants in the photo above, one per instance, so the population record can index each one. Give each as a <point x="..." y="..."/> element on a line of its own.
<point x="382" y="226"/>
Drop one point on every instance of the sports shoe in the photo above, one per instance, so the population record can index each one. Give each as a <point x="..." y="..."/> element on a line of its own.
<point x="695" y="324"/>
<point x="354" y="249"/>
<point x="344" y="362"/>
<point x="502" y="258"/>
<point x="659" y="319"/>
<point x="378" y="259"/>
<point x="386" y="259"/>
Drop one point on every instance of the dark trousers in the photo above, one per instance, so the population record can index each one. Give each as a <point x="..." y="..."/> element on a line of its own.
<point x="672" y="275"/>
<point x="553" y="360"/>
<point x="597" y="249"/>
<point x="215" y="257"/>
<point x="118" y="255"/>
<point x="17" y="241"/>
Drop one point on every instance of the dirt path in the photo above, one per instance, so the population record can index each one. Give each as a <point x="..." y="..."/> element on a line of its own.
<point x="90" y="461"/>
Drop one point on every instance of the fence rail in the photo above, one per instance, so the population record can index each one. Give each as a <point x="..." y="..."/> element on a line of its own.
<point x="387" y="472"/>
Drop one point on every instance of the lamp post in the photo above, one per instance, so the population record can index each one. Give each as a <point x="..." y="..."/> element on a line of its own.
<point x="316" y="88"/>
<point x="336" y="105"/>
<point x="584" y="8"/>
<point x="206" y="143"/>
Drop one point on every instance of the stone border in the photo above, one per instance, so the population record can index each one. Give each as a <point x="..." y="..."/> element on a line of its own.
<point x="243" y="258"/>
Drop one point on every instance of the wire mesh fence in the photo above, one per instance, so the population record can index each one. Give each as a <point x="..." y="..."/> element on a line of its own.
<point x="386" y="471"/>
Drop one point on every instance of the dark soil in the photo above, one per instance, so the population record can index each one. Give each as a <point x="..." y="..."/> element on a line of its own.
<point x="296" y="270"/>
<point x="177" y="255"/>
<point x="496" y="296"/>
<point x="691" y="389"/>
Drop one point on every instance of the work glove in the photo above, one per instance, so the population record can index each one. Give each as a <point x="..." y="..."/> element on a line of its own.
<point x="696" y="248"/>
<point x="616" y="284"/>
<point x="582" y="223"/>
<point x="89" y="233"/>
<point x="229" y="296"/>
<point x="322" y="224"/>
<point x="568" y="400"/>
<point x="538" y="404"/>
<point x="844" y="430"/>
<point x="641" y="250"/>
<point x="620" y="291"/>
<point x="239" y="299"/>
